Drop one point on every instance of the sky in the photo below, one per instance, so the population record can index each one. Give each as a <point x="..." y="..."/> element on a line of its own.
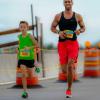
<point x="12" y="11"/>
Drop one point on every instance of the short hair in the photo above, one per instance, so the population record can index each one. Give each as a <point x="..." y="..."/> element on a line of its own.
<point x="23" y="22"/>
<point x="71" y="0"/>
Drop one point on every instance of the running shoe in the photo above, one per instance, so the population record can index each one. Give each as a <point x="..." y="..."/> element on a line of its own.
<point x="68" y="93"/>
<point x="24" y="95"/>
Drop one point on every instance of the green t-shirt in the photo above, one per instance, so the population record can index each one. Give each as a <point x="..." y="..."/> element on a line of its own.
<point x="25" y="42"/>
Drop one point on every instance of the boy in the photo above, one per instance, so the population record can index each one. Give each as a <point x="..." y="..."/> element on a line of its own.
<point x="27" y="43"/>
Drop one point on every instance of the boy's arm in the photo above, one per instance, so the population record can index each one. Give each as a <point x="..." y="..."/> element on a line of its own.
<point x="17" y="49"/>
<point x="34" y="41"/>
<point x="36" y="44"/>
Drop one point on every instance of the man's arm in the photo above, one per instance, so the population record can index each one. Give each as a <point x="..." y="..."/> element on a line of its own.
<point x="81" y="24"/>
<point x="54" y="26"/>
<point x="55" y="23"/>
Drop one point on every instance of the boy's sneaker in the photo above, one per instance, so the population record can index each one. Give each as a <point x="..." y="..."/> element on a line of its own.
<point x="24" y="95"/>
<point x="68" y="93"/>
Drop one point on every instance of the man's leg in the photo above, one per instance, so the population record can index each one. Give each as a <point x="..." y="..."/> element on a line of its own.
<point x="63" y="57"/>
<point x="64" y="68"/>
<point x="72" y="59"/>
<point x="70" y="73"/>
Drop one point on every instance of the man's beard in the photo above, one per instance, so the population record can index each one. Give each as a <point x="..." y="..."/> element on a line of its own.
<point x="68" y="9"/>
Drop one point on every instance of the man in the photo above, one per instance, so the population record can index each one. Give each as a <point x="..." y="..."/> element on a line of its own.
<point x="68" y="47"/>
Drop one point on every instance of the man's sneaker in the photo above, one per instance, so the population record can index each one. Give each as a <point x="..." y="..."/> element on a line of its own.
<point x="24" y="95"/>
<point x="68" y="94"/>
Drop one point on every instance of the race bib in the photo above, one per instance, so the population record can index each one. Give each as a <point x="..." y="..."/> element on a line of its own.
<point x="24" y="53"/>
<point x="69" y="33"/>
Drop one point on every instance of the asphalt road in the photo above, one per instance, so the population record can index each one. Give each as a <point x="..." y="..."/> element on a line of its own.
<point x="85" y="89"/>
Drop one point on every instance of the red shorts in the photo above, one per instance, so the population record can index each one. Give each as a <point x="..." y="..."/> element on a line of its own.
<point x="68" y="50"/>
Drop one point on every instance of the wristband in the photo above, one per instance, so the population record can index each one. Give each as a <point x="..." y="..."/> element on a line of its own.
<point x="80" y="30"/>
<point x="58" y="31"/>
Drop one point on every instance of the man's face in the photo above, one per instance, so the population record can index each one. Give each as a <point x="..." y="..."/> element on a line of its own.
<point x="23" y="27"/>
<point x="68" y="4"/>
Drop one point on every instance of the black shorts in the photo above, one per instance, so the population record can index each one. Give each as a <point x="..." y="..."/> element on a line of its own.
<point x="27" y="63"/>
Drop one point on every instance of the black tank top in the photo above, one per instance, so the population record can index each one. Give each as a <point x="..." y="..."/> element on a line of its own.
<point x="68" y="24"/>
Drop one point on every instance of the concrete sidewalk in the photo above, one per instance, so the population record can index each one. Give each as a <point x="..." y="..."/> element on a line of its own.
<point x="85" y="89"/>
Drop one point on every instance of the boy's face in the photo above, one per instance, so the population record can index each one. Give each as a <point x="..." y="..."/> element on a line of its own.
<point x="23" y="27"/>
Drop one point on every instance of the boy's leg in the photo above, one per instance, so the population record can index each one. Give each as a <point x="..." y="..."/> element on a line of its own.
<point x="31" y="73"/>
<point x="31" y="69"/>
<point x="24" y="76"/>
